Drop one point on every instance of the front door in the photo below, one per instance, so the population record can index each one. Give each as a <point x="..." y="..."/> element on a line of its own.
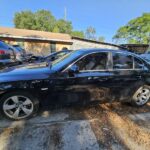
<point x="90" y="83"/>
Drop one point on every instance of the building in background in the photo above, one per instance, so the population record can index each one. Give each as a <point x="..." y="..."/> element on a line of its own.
<point x="43" y="43"/>
<point x="37" y="42"/>
<point x="79" y="43"/>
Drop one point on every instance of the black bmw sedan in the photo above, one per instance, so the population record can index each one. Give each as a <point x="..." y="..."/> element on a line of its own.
<point x="82" y="76"/>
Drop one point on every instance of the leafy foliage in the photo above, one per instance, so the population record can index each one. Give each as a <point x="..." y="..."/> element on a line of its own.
<point x="24" y="19"/>
<point x="101" y="39"/>
<point x="137" y="31"/>
<point x="79" y="34"/>
<point x="90" y="33"/>
<point x="63" y="26"/>
<point x="43" y="20"/>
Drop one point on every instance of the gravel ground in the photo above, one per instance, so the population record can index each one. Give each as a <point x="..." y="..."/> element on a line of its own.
<point x="113" y="126"/>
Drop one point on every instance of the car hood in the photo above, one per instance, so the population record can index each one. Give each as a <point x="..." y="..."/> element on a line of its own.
<point x="26" y="72"/>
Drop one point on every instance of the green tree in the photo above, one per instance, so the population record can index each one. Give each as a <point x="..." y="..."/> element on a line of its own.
<point x="44" y="20"/>
<point x="137" y="31"/>
<point x="90" y="33"/>
<point x="79" y="34"/>
<point x="101" y="39"/>
<point x="41" y="20"/>
<point x="24" y="20"/>
<point x="64" y="26"/>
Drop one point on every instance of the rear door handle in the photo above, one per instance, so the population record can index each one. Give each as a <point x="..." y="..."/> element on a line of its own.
<point x="90" y="78"/>
<point x="93" y="78"/>
<point x="98" y="78"/>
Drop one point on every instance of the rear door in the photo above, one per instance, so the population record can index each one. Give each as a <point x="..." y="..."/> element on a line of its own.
<point x="126" y="74"/>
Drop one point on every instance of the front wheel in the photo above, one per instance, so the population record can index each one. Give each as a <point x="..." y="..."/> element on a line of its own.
<point x="18" y="105"/>
<point x="141" y="96"/>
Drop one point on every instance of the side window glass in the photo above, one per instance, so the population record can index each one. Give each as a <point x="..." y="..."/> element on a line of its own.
<point x="138" y="64"/>
<point x="96" y="61"/>
<point x="122" y="61"/>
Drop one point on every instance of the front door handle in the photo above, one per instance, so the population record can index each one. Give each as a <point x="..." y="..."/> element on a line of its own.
<point x="90" y="78"/>
<point x="102" y="79"/>
<point x="139" y="76"/>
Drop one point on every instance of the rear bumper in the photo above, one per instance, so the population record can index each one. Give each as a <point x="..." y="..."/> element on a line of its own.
<point x="3" y="57"/>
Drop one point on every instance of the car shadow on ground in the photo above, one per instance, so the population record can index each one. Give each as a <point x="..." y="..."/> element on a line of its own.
<point x="104" y="126"/>
<point x="132" y="134"/>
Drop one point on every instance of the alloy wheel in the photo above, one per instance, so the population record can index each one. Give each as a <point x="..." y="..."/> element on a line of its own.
<point x="142" y="96"/>
<point x="18" y="107"/>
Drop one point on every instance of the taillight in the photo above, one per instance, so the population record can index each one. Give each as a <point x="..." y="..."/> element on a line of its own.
<point x="2" y="52"/>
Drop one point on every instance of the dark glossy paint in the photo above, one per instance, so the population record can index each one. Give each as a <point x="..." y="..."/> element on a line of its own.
<point x="55" y="84"/>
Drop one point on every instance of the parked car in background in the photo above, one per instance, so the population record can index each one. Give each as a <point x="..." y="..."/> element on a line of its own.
<point x="51" y="57"/>
<point x="21" y="53"/>
<point x="19" y="48"/>
<point x="7" y="55"/>
<point x="79" y="77"/>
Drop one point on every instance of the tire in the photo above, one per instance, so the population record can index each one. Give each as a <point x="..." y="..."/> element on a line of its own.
<point x="19" y="105"/>
<point x="141" y="96"/>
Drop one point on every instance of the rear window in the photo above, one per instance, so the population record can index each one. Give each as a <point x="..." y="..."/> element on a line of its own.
<point x="3" y="45"/>
<point x="138" y="64"/>
<point x="122" y="61"/>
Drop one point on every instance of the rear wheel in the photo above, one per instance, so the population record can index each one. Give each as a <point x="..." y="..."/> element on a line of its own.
<point x="19" y="105"/>
<point x="141" y="96"/>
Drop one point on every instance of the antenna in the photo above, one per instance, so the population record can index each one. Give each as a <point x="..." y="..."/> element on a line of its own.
<point x="65" y="13"/>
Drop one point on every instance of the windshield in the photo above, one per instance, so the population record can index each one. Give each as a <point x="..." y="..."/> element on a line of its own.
<point x="66" y="60"/>
<point x="18" y="48"/>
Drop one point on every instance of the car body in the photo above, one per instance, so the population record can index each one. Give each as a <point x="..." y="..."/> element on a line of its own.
<point x="19" y="53"/>
<point x="20" y="49"/>
<point x="50" y="57"/>
<point x="82" y="76"/>
<point x="4" y="51"/>
<point x="7" y="55"/>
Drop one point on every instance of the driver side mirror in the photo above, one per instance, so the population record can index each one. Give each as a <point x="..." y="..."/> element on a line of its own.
<point x="73" y="69"/>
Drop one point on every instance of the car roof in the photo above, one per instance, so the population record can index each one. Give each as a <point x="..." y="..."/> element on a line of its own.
<point x="105" y="50"/>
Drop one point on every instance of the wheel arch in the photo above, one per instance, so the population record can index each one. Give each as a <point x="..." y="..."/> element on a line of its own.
<point x="31" y="92"/>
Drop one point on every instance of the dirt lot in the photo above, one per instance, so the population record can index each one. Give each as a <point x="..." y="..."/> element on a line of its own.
<point x="108" y="126"/>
